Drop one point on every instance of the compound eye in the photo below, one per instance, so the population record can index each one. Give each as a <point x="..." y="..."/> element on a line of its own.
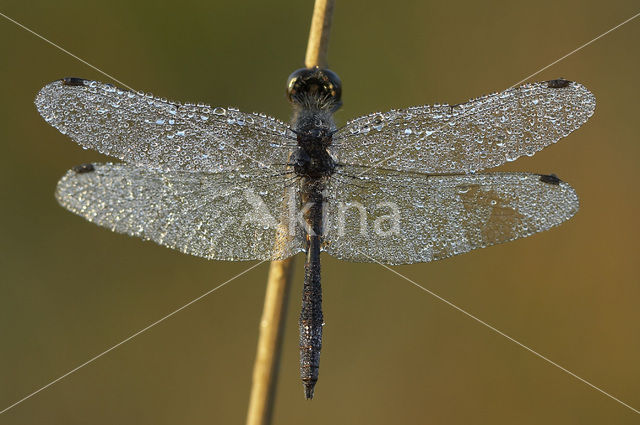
<point x="332" y="84"/>
<point x="295" y="81"/>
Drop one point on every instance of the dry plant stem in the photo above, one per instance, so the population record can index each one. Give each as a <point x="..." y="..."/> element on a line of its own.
<point x="279" y="280"/>
<point x="317" y="47"/>
<point x="265" y="370"/>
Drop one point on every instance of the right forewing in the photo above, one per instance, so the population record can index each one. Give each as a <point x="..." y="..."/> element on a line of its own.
<point x="472" y="136"/>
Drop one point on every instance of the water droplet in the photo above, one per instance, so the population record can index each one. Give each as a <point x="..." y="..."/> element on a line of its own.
<point x="378" y="123"/>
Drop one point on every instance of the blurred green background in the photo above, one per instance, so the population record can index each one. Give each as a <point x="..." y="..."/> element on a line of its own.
<point x="392" y="353"/>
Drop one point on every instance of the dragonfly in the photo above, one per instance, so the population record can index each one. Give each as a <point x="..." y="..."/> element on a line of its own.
<point x="398" y="187"/>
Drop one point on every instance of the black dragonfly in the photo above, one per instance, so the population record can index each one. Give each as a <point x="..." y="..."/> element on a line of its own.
<point x="396" y="188"/>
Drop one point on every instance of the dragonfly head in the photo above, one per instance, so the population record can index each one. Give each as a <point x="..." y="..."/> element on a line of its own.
<point x="316" y="88"/>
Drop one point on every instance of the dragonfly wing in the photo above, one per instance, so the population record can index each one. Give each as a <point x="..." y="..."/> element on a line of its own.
<point x="147" y="131"/>
<point x="403" y="218"/>
<point x="482" y="133"/>
<point x="223" y="216"/>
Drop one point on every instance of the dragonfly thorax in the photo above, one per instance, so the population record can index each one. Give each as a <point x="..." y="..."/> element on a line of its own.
<point x="315" y="164"/>
<point x="314" y="131"/>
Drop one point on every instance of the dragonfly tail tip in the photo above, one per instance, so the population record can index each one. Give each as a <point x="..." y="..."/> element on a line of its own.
<point x="308" y="389"/>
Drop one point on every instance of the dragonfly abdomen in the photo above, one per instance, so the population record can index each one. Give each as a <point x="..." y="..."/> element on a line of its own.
<point x="311" y="320"/>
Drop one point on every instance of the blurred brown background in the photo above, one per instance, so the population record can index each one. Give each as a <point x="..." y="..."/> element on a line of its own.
<point x="392" y="353"/>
